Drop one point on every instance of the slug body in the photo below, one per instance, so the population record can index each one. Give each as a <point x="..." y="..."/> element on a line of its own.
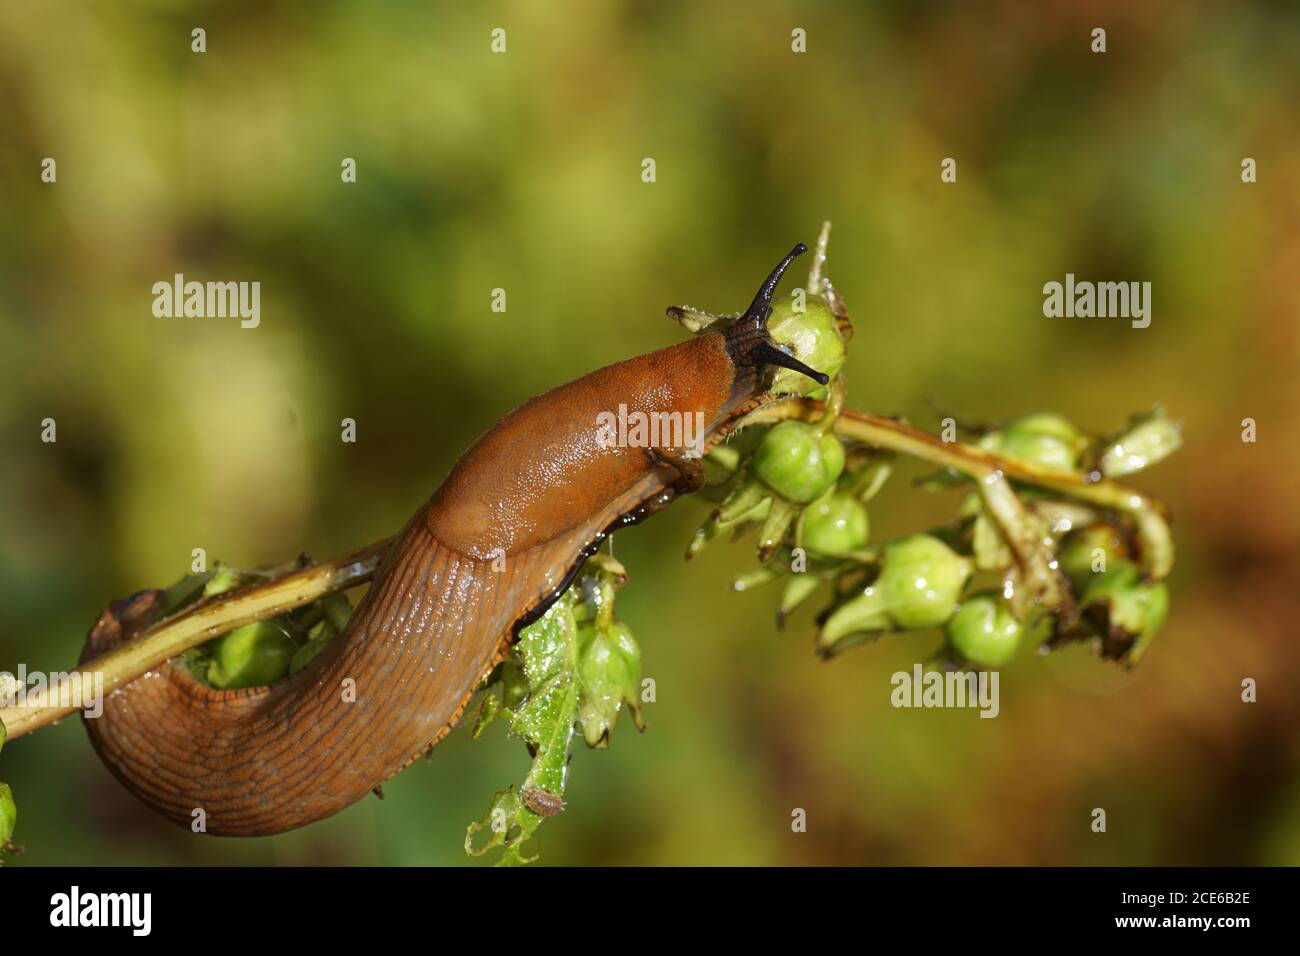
<point x="495" y="545"/>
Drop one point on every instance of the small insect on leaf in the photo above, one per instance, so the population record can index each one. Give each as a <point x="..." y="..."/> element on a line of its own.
<point x="542" y="802"/>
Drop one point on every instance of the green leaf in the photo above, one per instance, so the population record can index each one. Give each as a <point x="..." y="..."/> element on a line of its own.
<point x="544" y="717"/>
<point x="511" y="824"/>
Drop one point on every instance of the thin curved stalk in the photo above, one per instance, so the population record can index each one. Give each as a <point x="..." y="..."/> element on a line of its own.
<point x="901" y="437"/>
<point x="990" y="472"/>
<point x="200" y="623"/>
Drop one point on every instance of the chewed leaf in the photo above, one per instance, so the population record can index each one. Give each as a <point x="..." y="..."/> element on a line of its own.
<point x="540" y="699"/>
<point x="546" y="722"/>
<point x="546" y="645"/>
<point x="511" y="825"/>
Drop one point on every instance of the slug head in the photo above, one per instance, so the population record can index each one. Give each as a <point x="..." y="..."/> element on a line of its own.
<point x="748" y="342"/>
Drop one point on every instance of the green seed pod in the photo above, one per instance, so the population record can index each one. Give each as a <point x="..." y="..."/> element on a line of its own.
<point x="922" y="580"/>
<point x="8" y="815"/>
<point x="609" y="675"/>
<point x="918" y="587"/>
<point x="835" y="525"/>
<point x="1091" y="551"/>
<point x="1042" y="438"/>
<point x="1126" y="612"/>
<point x="1147" y="440"/>
<point x="797" y="462"/>
<point x="984" y="631"/>
<point x="250" y="656"/>
<point x="813" y="336"/>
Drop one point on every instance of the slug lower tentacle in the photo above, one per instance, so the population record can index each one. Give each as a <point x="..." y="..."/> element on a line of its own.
<point x="494" y="546"/>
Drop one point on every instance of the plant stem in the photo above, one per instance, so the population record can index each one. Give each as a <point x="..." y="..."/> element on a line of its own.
<point x="901" y="437"/>
<point x="991" y="473"/>
<point x="200" y="623"/>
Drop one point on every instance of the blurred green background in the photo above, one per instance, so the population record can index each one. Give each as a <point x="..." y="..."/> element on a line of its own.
<point x="522" y="171"/>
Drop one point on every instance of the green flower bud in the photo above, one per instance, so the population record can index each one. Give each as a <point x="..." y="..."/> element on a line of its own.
<point x="1042" y="438"/>
<point x="8" y="815"/>
<point x="780" y="516"/>
<point x="754" y="578"/>
<point x="250" y="656"/>
<point x="1126" y="612"/>
<point x="1148" y="439"/>
<point x="836" y="524"/>
<point x="922" y="580"/>
<point x="748" y="501"/>
<point x="798" y="589"/>
<point x="609" y="675"/>
<point x="984" y="631"/>
<point x="813" y="336"/>
<point x="1091" y="551"/>
<point x="797" y="462"/>
<point x="862" y="618"/>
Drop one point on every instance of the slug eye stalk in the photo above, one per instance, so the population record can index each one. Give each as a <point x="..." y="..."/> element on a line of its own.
<point x="761" y="307"/>
<point x="748" y="341"/>
<point x="765" y="353"/>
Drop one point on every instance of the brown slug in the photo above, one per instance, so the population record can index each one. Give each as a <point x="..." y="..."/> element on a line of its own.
<point x="497" y="543"/>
